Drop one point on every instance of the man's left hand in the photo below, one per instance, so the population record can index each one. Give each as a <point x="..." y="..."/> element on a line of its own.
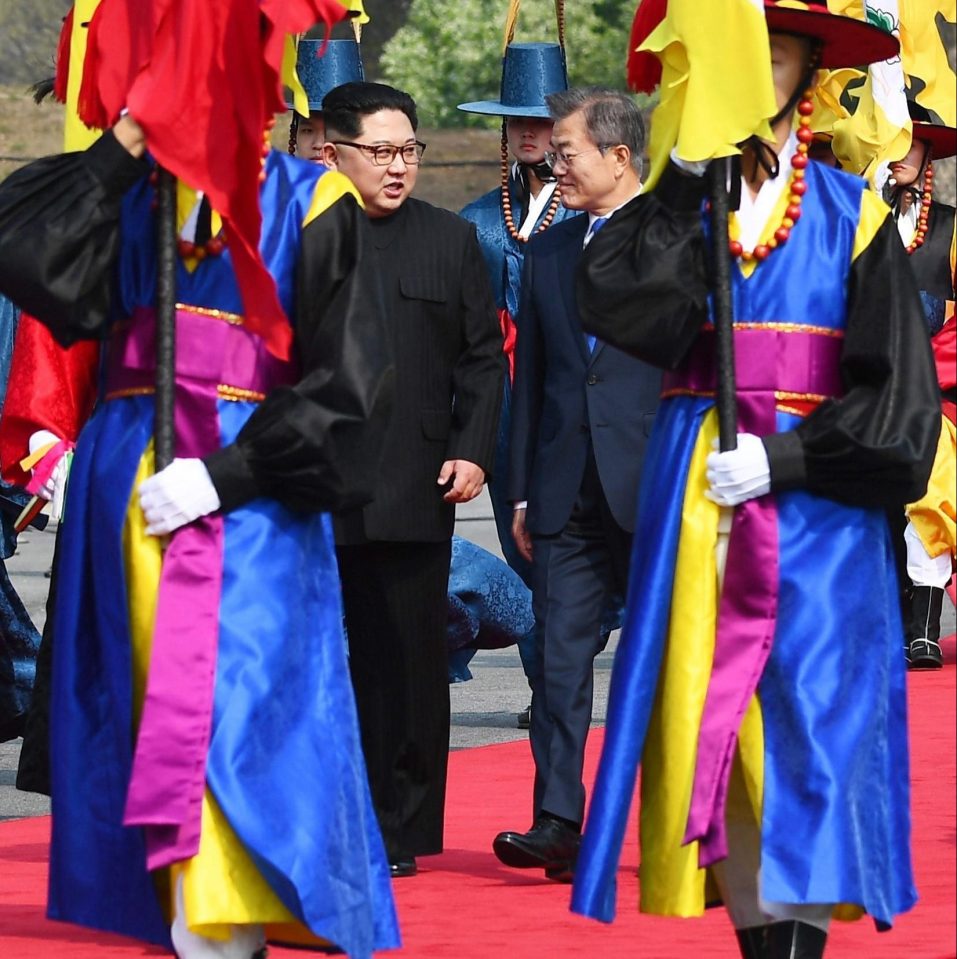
<point x="467" y="480"/>
<point x="739" y="474"/>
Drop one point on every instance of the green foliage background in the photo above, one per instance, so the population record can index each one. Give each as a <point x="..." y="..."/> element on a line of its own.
<point x="450" y="51"/>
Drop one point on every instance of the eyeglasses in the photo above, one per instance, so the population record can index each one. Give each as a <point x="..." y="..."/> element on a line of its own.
<point x="383" y="154"/>
<point x="568" y="159"/>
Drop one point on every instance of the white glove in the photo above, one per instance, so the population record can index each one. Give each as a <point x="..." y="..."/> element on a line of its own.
<point x="739" y="474"/>
<point x="55" y="486"/>
<point x="177" y="495"/>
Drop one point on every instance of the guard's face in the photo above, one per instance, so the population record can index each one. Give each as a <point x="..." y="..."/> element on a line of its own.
<point x="310" y="135"/>
<point x="905" y="171"/>
<point x="586" y="175"/>
<point x="528" y="138"/>
<point x="790" y="57"/>
<point x="383" y="188"/>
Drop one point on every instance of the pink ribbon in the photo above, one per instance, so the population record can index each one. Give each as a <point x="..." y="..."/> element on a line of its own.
<point x="767" y="361"/>
<point x="169" y="762"/>
<point x="43" y="470"/>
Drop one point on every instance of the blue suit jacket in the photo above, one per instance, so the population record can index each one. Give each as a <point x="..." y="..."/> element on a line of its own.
<point x="565" y="397"/>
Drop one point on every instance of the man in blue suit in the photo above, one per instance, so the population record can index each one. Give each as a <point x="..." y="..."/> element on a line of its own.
<point x="582" y="411"/>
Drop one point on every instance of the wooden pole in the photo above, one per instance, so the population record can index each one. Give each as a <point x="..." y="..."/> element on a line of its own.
<point x="165" y="399"/>
<point x="726" y="395"/>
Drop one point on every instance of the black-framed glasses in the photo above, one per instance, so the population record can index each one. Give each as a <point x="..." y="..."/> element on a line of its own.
<point x="553" y="157"/>
<point x="383" y="154"/>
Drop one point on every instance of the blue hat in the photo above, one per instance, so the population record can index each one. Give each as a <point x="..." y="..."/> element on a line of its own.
<point x="530" y="71"/>
<point x="341" y="63"/>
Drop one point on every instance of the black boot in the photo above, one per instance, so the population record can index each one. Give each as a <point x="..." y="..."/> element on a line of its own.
<point x="753" y="942"/>
<point x="795" y="940"/>
<point x="924" y="649"/>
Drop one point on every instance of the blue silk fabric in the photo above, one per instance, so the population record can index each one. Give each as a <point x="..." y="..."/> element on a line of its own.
<point x="503" y="254"/>
<point x="836" y="822"/>
<point x="285" y="762"/>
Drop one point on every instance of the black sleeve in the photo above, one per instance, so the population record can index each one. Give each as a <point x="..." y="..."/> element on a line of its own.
<point x="643" y="279"/>
<point x="479" y="372"/>
<point x="527" y="388"/>
<point x="316" y="445"/>
<point x="875" y="445"/>
<point x="60" y="235"/>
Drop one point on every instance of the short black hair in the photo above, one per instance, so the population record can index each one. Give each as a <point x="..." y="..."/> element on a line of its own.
<point x="344" y="106"/>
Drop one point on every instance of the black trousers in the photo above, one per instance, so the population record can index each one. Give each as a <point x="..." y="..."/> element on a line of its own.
<point x="396" y="607"/>
<point x="574" y="574"/>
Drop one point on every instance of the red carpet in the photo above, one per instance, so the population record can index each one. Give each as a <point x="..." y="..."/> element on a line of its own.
<point x="464" y="904"/>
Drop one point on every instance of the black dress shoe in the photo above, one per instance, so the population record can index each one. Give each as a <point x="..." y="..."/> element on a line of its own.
<point x="403" y="867"/>
<point x="550" y="845"/>
<point x="525" y="718"/>
<point x="560" y="873"/>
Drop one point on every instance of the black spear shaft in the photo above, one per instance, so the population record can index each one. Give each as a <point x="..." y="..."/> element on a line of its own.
<point x="726" y="397"/>
<point x="165" y="399"/>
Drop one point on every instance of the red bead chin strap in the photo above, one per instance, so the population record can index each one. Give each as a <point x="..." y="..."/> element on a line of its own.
<point x="507" y="199"/>
<point x="215" y="245"/>
<point x="797" y="188"/>
<point x="924" y="214"/>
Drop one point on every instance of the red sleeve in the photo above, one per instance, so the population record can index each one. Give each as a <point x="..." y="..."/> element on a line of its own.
<point x="944" y="345"/>
<point x="50" y="388"/>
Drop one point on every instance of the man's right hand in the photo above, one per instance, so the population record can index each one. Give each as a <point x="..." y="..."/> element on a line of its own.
<point x="130" y="136"/>
<point x="47" y="490"/>
<point x="520" y="534"/>
<point x="53" y="488"/>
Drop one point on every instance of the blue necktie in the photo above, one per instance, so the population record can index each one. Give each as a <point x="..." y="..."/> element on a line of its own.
<point x="597" y="224"/>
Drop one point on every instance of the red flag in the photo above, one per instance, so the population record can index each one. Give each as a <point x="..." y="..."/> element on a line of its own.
<point x="203" y="79"/>
<point x="644" y="69"/>
<point x="63" y="58"/>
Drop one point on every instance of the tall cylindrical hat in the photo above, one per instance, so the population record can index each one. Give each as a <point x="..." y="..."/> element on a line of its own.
<point x="341" y="62"/>
<point x="530" y="71"/>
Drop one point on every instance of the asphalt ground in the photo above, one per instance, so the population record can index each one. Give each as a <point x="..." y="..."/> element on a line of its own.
<point x="484" y="710"/>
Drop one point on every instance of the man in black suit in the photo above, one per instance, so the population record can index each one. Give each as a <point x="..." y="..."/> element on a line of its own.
<point x="581" y="414"/>
<point x="394" y="554"/>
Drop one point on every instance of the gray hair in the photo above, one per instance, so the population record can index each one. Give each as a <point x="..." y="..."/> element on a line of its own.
<point x="611" y="117"/>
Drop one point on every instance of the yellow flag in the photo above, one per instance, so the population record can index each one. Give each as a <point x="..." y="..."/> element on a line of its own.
<point x="357" y="9"/>
<point x="868" y="111"/>
<point x="76" y="135"/>
<point x="300" y="99"/>
<point x="865" y="110"/>
<point x="716" y="83"/>
<point x="931" y="81"/>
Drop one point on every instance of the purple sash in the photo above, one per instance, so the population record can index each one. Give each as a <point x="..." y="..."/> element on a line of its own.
<point x="168" y="777"/>
<point x="772" y="362"/>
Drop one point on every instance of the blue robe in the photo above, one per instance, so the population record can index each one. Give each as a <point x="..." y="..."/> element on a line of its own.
<point x="833" y="792"/>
